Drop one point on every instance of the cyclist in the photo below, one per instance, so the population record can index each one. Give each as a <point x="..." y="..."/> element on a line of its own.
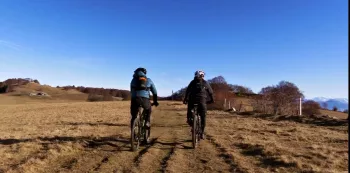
<point x="139" y="87"/>
<point x="196" y="92"/>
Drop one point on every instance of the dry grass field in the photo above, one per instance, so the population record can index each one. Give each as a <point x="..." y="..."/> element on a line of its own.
<point x="339" y="115"/>
<point x="94" y="137"/>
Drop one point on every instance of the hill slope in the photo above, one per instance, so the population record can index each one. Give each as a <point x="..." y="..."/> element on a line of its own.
<point x="26" y="94"/>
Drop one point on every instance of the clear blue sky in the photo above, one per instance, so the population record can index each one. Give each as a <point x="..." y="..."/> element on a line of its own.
<point x="250" y="42"/>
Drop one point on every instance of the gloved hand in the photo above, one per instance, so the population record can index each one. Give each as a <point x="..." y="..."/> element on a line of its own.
<point x="155" y="100"/>
<point x="155" y="103"/>
<point x="211" y="99"/>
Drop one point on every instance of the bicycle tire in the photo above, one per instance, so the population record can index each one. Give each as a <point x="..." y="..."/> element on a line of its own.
<point x="146" y="131"/>
<point x="194" y="132"/>
<point x="199" y="130"/>
<point x="135" y="136"/>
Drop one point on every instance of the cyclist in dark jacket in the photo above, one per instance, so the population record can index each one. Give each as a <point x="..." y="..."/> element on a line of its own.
<point x="141" y="96"/>
<point x="197" y="92"/>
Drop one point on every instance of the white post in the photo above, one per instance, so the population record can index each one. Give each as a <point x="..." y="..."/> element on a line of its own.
<point x="300" y="109"/>
<point x="225" y="104"/>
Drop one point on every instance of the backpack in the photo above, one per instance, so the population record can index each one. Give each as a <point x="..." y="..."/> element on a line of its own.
<point x="199" y="87"/>
<point x="141" y="83"/>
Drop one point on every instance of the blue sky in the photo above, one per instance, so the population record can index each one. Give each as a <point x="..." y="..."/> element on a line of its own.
<point x="252" y="42"/>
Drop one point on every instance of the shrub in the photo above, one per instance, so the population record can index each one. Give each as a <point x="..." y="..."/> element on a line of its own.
<point x="311" y="107"/>
<point x="107" y="97"/>
<point x="218" y="105"/>
<point x="335" y="108"/>
<point x="94" y="98"/>
<point x="3" y="89"/>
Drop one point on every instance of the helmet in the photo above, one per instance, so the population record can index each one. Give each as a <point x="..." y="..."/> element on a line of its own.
<point x="141" y="69"/>
<point x="199" y="73"/>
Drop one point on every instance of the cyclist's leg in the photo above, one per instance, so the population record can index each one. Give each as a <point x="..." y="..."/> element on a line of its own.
<point x="147" y="108"/>
<point x="202" y="112"/>
<point x="134" y="109"/>
<point x="189" y="113"/>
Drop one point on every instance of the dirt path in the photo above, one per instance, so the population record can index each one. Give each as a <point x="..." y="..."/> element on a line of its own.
<point x="169" y="151"/>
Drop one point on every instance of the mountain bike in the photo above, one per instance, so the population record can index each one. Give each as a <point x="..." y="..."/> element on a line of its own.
<point x="140" y="133"/>
<point x="196" y="129"/>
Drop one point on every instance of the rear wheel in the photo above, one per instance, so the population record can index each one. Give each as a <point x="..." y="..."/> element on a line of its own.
<point x="146" y="131"/>
<point x="135" y="135"/>
<point x="194" y="131"/>
<point x="199" y="129"/>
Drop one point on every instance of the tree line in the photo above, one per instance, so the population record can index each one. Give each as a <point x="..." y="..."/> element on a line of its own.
<point x="96" y="93"/>
<point x="9" y="84"/>
<point x="282" y="98"/>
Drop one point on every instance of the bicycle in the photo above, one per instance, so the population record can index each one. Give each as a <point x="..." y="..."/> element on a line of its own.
<point x="139" y="130"/>
<point x="196" y="126"/>
<point x="196" y="129"/>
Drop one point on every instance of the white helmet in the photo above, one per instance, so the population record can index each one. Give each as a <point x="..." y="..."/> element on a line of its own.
<point x="199" y="73"/>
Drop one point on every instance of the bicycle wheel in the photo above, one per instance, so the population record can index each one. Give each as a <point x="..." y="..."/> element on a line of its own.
<point x="199" y="128"/>
<point x="135" y="135"/>
<point x="146" y="131"/>
<point x="194" y="131"/>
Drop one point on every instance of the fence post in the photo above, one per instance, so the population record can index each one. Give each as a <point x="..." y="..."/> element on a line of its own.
<point x="229" y="104"/>
<point x="300" y="108"/>
<point x="225" y="104"/>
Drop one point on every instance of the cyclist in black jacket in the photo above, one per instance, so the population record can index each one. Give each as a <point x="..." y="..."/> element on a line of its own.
<point x="197" y="92"/>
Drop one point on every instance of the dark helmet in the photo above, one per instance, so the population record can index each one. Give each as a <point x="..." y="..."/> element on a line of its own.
<point x="141" y="69"/>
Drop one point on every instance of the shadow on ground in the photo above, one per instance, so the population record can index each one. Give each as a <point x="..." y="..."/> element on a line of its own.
<point x="90" y="141"/>
<point x="265" y="157"/>
<point x="313" y="120"/>
<point x="94" y="124"/>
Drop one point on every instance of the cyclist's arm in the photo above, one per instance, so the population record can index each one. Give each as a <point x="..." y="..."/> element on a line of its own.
<point x="210" y="91"/>
<point x="188" y="90"/>
<point x="153" y="90"/>
<point x="132" y="85"/>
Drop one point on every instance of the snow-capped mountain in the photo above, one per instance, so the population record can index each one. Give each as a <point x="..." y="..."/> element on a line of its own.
<point x="341" y="103"/>
<point x="320" y="99"/>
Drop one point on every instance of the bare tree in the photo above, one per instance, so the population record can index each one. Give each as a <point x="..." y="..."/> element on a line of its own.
<point x="283" y="97"/>
<point x="218" y="80"/>
<point x="241" y="89"/>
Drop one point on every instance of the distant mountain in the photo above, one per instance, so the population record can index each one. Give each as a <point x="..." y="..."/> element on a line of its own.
<point x="341" y="103"/>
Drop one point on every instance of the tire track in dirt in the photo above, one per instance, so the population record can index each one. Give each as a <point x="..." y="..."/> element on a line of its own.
<point x="164" y="163"/>
<point x="104" y="160"/>
<point x="107" y="157"/>
<point x="138" y="158"/>
<point x="40" y="154"/>
<point x="205" y="158"/>
<point x="151" y="157"/>
<point x="154" y="157"/>
<point x="77" y="156"/>
<point x="228" y="158"/>
<point x="128" y="161"/>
